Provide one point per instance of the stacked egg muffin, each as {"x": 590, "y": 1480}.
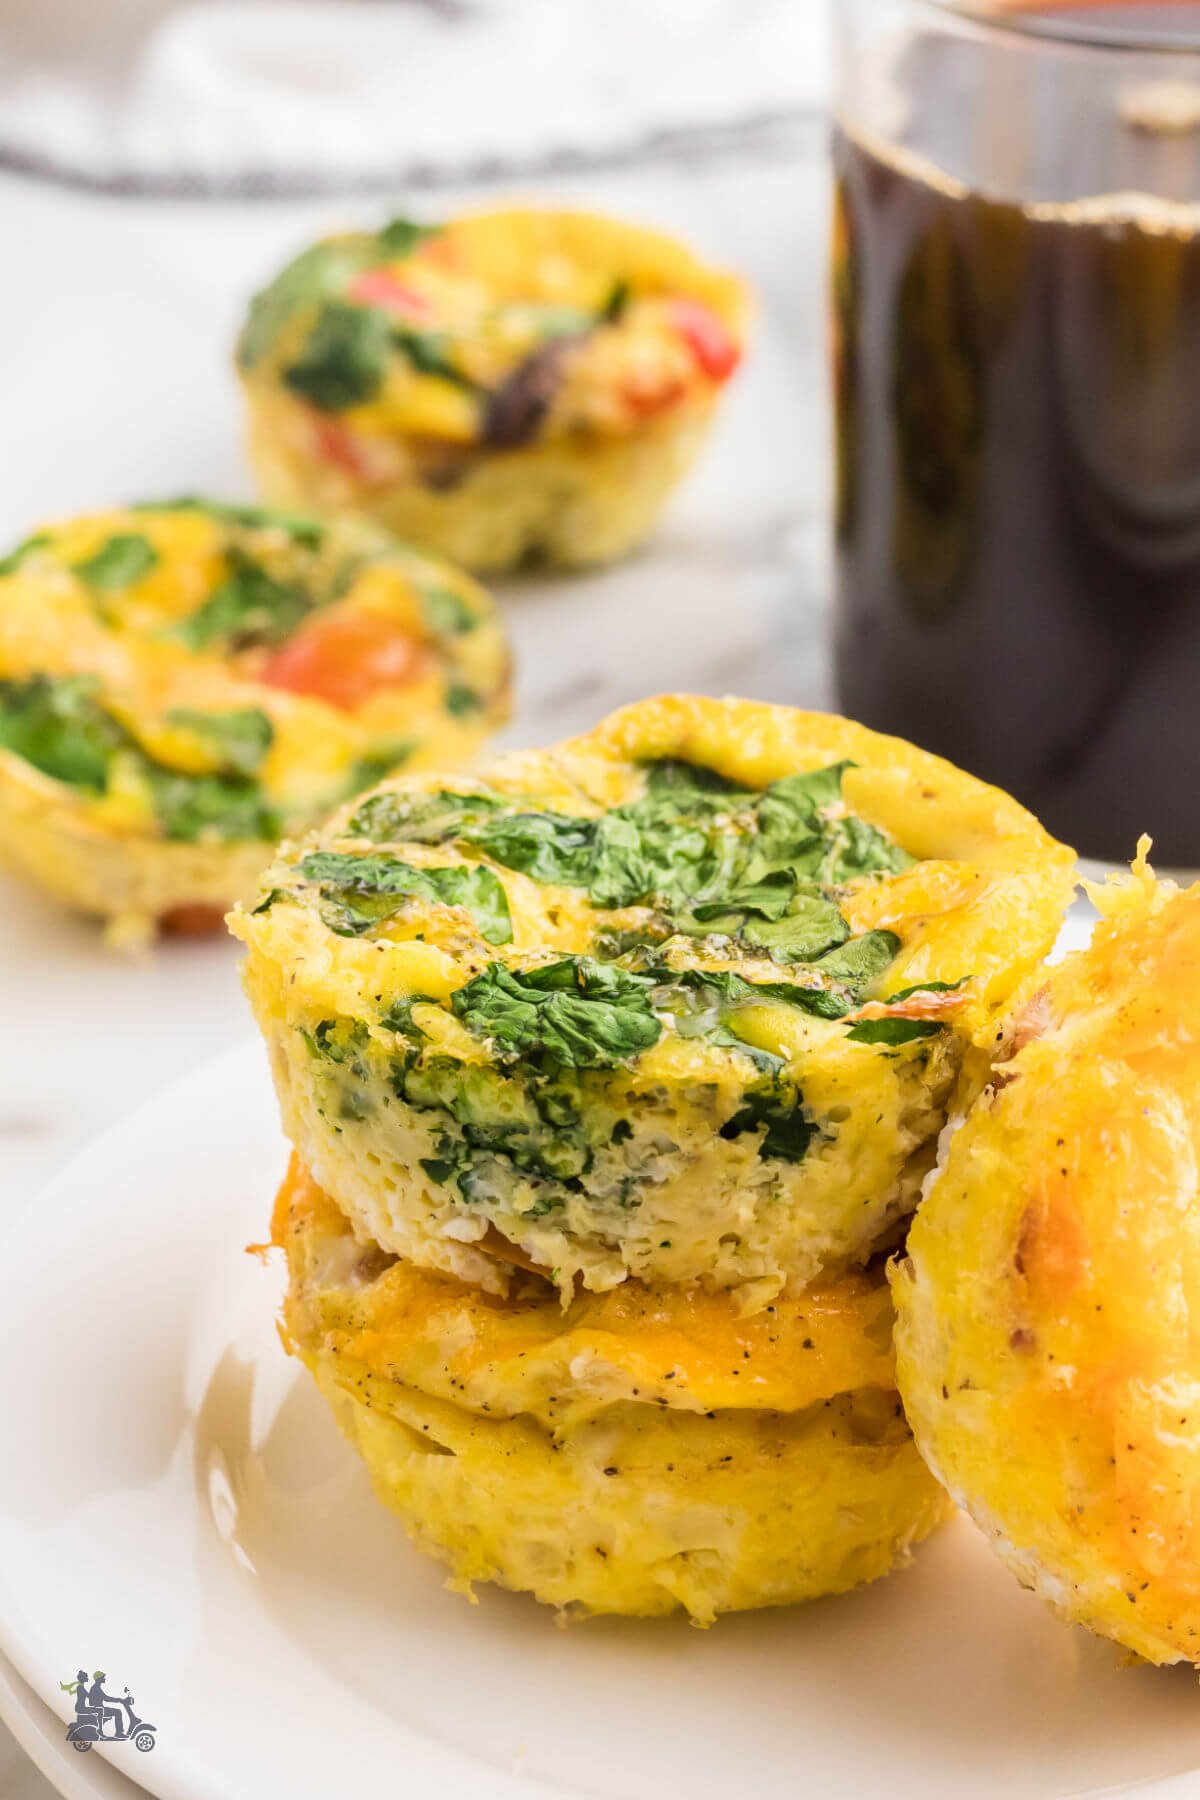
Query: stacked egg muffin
{"x": 611, "y": 1074}
{"x": 181, "y": 684}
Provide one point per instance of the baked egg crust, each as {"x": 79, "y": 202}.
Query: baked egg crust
{"x": 682, "y": 1000}
{"x": 183, "y": 683}
{"x": 500, "y": 386}
{"x": 1048, "y": 1338}
{"x": 641, "y": 1453}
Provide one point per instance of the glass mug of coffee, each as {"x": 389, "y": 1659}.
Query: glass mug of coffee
{"x": 1016, "y": 313}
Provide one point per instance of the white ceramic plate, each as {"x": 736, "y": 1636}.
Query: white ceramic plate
{"x": 177, "y": 1508}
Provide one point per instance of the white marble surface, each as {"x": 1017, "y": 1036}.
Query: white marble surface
{"x": 116, "y": 319}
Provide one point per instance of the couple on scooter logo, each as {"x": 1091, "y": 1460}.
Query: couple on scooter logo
{"x": 102, "y": 1718}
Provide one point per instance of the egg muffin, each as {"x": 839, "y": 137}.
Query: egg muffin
{"x": 181, "y": 684}
{"x": 643, "y": 1452}
{"x": 682, "y": 1001}
{"x": 1048, "y": 1345}
{"x": 505, "y": 386}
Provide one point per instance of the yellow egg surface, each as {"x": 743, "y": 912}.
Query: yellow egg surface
{"x": 1048, "y": 1330}
{"x": 683, "y": 1000}
{"x": 644, "y": 1452}
{"x": 181, "y": 684}
{"x": 499, "y": 384}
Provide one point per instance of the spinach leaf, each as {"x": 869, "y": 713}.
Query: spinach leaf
{"x": 555, "y": 848}
{"x": 422, "y": 818}
{"x": 787, "y": 1132}
{"x": 56, "y": 724}
{"x": 400, "y": 237}
{"x": 249, "y": 608}
{"x": 317, "y": 274}
{"x": 213, "y": 808}
{"x": 123, "y": 560}
{"x": 856, "y": 848}
{"x": 343, "y": 359}
{"x": 722, "y": 989}
{"x": 447, "y": 612}
{"x": 612, "y": 311}
{"x": 893, "y": 1032}
{"x": 12, "y": 562}
{"x": 360, "y": 891}
{"x": 427, "y": 352}
{"x": 809, "y": 928}
{"x": 240, "y": 738}
{"x": 862, "y": 960}
{"x": 376, "y": 765}
{"x": 298, "y": 526}
{"x": 580, "y": 1013}
{"x": 462, "y": 701}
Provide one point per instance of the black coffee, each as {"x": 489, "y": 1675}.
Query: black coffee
{"x": 1018, "y": 404}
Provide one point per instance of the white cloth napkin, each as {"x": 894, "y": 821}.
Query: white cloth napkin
{"x": 301, "y": 92}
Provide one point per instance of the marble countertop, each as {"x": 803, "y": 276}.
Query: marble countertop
{"x": 117, "y": 317}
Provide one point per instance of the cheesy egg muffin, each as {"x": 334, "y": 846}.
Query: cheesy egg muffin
{"x": 503, "y": 386}
{"x": 181, "y": 684}
{"x": 642, "y": 1452}
{"x": 682, "y": 1001}
{"x": 1048, "y": 1336}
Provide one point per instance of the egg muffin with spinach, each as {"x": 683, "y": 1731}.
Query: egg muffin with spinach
{"x": 503, "y": 386}
{"x": 182, "y": 684}
{"x": 645, "y": 1451}
{"x": 680, "y": 1001}
{"x": 1048, "y": 1346}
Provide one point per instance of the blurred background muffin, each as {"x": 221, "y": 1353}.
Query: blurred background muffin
{"x": 181, "y": 684}
{"x": 504, "y": 387}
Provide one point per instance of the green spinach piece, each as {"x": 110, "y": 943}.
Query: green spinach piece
{"x": 787, "y": 1132}
{"x": 240, "y": 738}
{"x": 216, "y": 808}
{"x": 298, "y": 526}
{"x": 57, "y": 725}
{"x": 893, "y": 1032}
{"x": 554, "y": 848}
{"x": 316, "y": 275}
{"x": 400, "y": 237}
{"x": 40, "y": 540}
{"x": 421, "y": 818}
{"x": 861, "y": 961}
{"x": 447, "y": 612}
{"x": 124, "y": 559}
{"x": 577, "y": 1012}
{"x": 462, "y": 701}
{"x": 249, "y": 608}
{"x": 428, "y": 353}
{"x": 360, "y": 891}
{"x": 343, "y": 360}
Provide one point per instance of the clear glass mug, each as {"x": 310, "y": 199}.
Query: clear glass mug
{"x": 1016, "y": 306}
